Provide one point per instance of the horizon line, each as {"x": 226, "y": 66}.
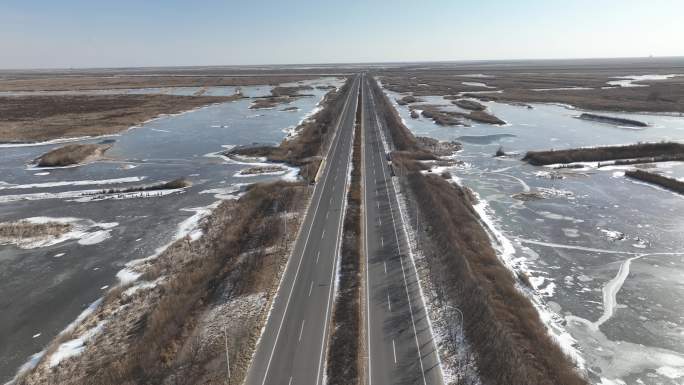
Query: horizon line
{"x": 333, "y": 64}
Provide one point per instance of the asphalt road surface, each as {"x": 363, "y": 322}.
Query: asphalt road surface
{"x": 293, "y": 344}
{"x": 399, "y": 336}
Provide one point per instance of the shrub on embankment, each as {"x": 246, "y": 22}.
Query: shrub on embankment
{"x": 511, "y": 343}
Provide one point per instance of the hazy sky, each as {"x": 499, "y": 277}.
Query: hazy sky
{"x": 94, "y": 33}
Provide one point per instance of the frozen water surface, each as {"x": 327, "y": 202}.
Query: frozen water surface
{"x": 44, "y": 288}
{"x": 606, "y": 254}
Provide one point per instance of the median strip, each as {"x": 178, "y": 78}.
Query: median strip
{"x": 343, "y": 366}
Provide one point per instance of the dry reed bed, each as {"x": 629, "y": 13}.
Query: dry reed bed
{"x": 72, "y": 154}
{"x": 663, "y": 151}
{"x": 149, "y": 334}
{"x": 25, "y": 229}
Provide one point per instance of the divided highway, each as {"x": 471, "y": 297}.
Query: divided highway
{"x": 292, "y": 348}
{"x": 293, "y": 345}
{"x": 399, "y": 336}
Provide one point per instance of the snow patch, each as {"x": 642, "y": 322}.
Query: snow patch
{"x": 75, "y": 346}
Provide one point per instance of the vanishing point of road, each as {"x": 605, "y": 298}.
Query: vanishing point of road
{"x": 293, "y": 347}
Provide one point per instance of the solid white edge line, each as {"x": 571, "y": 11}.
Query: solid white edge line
{"x": 394, "y": 351}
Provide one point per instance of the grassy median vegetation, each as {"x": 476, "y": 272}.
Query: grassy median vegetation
{"x": 646, "y": 152}
{"x": 344, "y": 366}
{"x": 511, "y": 343}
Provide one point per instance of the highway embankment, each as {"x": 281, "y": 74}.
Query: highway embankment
{"x": 508, "y": 340}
